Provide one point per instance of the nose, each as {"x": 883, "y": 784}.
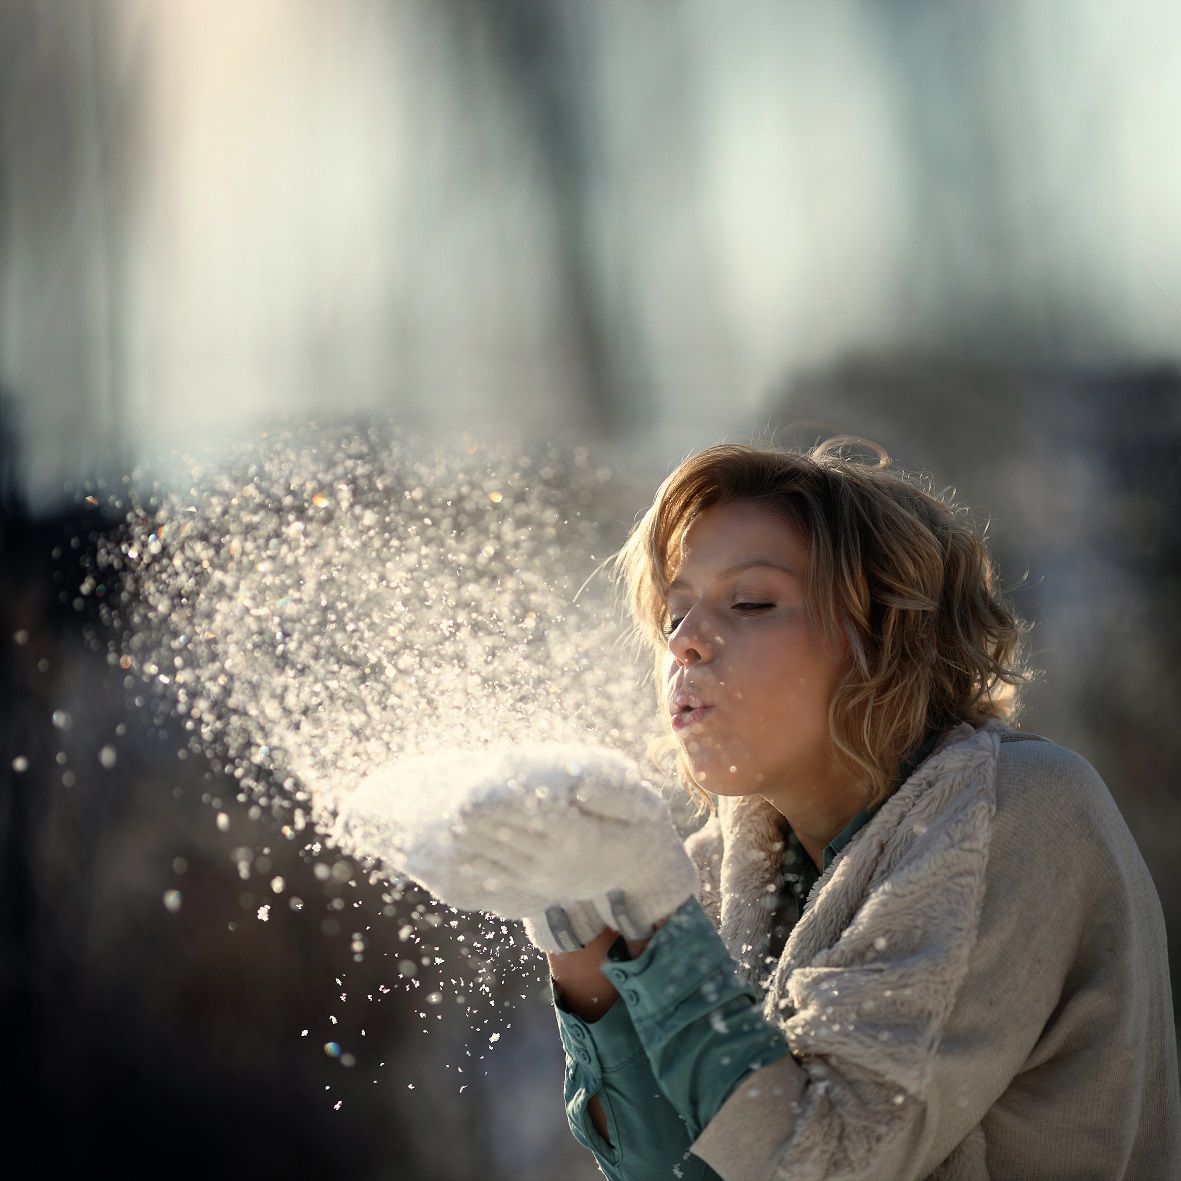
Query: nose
{"x": 689, "y": 643}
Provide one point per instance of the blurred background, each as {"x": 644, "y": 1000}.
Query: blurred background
{"x": 630, "y": 228}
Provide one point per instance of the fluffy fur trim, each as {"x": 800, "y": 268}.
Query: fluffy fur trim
{"x": 705, "y": 851}
{"x": 872, "y": 970}
{"x": 752, "y": 858}
{"x": 870, "y": 974}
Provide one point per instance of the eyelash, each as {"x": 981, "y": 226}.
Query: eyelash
{"x": 757, "y": 608}
{"x": 753, "y": 606}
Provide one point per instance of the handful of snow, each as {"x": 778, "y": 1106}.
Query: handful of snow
{"x": 478, "y": 828}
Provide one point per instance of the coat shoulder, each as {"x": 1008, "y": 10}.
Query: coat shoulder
{"x": 1055, "y": 804}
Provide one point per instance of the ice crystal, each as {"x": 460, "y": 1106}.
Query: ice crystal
{"x": 312, "y": 610}
{"x": 307, "y": 609}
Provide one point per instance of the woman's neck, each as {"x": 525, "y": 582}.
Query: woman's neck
{"x": 819, "y": 810}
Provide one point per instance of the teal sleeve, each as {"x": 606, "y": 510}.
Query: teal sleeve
{"x": 701, "y": 1026}
{"x": 648, "y": 1138}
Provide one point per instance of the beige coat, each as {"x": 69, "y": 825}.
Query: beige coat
{"x": 979, "y": 987}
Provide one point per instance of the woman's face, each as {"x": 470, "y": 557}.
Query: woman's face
{"x": 747, "y": 679}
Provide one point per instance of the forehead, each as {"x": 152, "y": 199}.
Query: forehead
{"x": 726, "y": 538}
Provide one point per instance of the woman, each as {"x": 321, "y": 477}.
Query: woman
{"x": 912, "y": 941}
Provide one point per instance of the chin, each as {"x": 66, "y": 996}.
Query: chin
{"x": 719, "y": 780}
{"x": 730, "y": 790}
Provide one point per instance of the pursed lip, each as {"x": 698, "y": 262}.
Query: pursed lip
{"x": 687, "y": 708}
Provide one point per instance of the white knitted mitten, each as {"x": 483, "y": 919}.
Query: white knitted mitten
{"x": 592, "y": 828}
{"x": 570, "y": 838}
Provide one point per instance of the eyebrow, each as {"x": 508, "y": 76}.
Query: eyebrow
{"x": 740, "y": 568}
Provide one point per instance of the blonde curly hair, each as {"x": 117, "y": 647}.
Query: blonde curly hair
{"x": 899, "y": 577}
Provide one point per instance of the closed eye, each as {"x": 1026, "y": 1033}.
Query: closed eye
{"x": 672, "y": 624}
{"x": 752, "y": 608}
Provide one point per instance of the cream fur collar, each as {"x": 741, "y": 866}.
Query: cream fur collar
{"x": 892, "y": 919}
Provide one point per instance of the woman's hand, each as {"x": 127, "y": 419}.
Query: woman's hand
{"x": 570, "y": 838}
{"x": 593, "y": 829}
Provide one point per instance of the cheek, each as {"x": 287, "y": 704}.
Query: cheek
{"x": 666, "y": 671}
{"x": 831, "y": 670}
{"x": 667, "y": 666}
{"x": 797, "y": 676}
